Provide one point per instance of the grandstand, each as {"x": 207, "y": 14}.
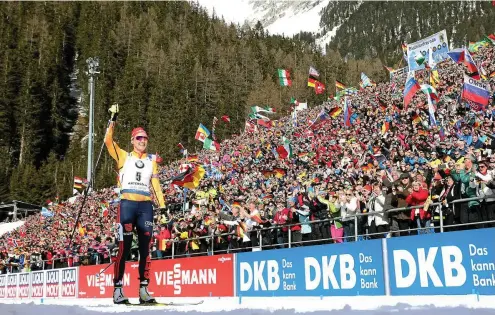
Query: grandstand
{"x": 359, "y": 167}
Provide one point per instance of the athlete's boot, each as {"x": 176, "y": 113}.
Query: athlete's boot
{"x": 144, "y": 295}
{"x": 118, "y": 294}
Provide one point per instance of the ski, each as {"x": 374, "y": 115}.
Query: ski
{"x": 166, "y": 304}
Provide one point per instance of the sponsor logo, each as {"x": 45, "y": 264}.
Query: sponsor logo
{"x": 52, "y": 277}
{"x": 139, "y": 164}
{"x": 179, "y": 277}
{"x": 23, "y": 279}
{"x": 11, "y": 286}
{"x": 224, "y": 259}
{"x": 37, "y": 278}
{"x": 68, "y": 275}
{"x": 3, "y": 289}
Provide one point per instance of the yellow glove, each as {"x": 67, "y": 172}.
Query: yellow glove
{"x": 114, "y": 110}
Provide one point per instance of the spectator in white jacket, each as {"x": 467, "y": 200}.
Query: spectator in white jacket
{"x": 348, "y": 209}
{"x": 378, "y": 204}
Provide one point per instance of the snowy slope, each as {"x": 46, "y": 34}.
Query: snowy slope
{"x": 277, "y": 16}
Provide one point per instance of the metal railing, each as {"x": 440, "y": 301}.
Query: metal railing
{"x": 210, "y": 239}
{"x": 353, "y": 217}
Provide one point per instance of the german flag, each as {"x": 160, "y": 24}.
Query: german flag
{"x": 236, "y": 204}
{"x": 416, "y": 119}
{"x": 257, "y": 218}
{"x": 335, "y": 112}
{"x": 259, "y": 154}
{"x": 339, "y": 85}
{"x": 385, "y": 127}
{"x": 267, "y": 197}
{"x": 302, "y": 154}
{"x": 382, "y": 105}
{"x": 422, "y": 133}
{"x": 279, "y": 172}
{"x": 241, "y": 232}
{"x": 192, "y": 158}
{"x": 190, "y": 178}
{"x": 267, "y": 173}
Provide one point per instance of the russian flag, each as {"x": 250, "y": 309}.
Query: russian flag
{"x": 460, "y": 55}
{"x": 412, "y": 86}
{"x": 347, "y": 113}
{"x": 475, "y": 91}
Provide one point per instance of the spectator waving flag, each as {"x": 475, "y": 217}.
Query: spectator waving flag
{"x": 202, "y": 133}
{"x": 431, "y": 112}
{"x": 313, "y": 72}
{"x": 365, "y": 81}
{"x": 339, "y": 85}
{"x": 461, "y": 55}
{"x": 475, "y": 91}
{"x": 347, "y": 112}
{"x": 190, "y": 178}
{"x": 412, "y": 86}
{"x": 210, "y": 144}
{"x": 284, "y": 77}
{"x": 313, "y": 81}
{"x": 80, "y": 183}
{"x": 430, "y": 92}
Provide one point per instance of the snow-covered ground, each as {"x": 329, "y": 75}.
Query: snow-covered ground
{"x": 7, "y": 227}
{"x": 438, "y": 305}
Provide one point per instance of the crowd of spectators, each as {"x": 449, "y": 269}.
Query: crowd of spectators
{"x": 348, "y": 178}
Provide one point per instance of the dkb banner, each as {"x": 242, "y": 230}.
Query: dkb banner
{"x": 449, "y": 263}
{"x": 329, "y": 270}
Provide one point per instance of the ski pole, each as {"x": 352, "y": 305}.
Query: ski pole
{"x": 86, "y": 192}
{"x": 99, "y": 273}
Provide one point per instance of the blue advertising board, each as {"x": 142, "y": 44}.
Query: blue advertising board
{"x": 449, "y": 263}
{"x": 346, "y": 269}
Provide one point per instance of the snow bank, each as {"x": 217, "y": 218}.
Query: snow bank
{"x": 439, "y": 305}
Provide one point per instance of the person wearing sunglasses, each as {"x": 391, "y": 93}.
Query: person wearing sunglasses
{"x": 138, "y": 178}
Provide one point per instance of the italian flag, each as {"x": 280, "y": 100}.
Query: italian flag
{"x": 269, "y": 109}
{"x": 294, "y": 101}
{"x": 284, "y": 77}
{"x": 211, "y": 145}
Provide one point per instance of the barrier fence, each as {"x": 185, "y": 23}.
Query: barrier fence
{"x": 459, "y": 262}
{"x": 259, "y": 232}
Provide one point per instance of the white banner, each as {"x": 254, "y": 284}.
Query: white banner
{"x": 437, "y": 43}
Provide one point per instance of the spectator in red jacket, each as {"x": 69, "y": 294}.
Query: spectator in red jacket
{"x": 418, "y": 197}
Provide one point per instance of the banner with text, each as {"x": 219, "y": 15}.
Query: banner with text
{"x": 198, "y": 276}
{"x": 437, "y": 43}
{"x": 449, "y": 263}
{"x": 399, "y": 74}
{"x": 328, "y": 270}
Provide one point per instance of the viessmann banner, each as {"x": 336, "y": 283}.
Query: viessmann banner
{"x": 328, "y": 270}
{"x": 447, "y": 263}
{"x": 199, "y": 276}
